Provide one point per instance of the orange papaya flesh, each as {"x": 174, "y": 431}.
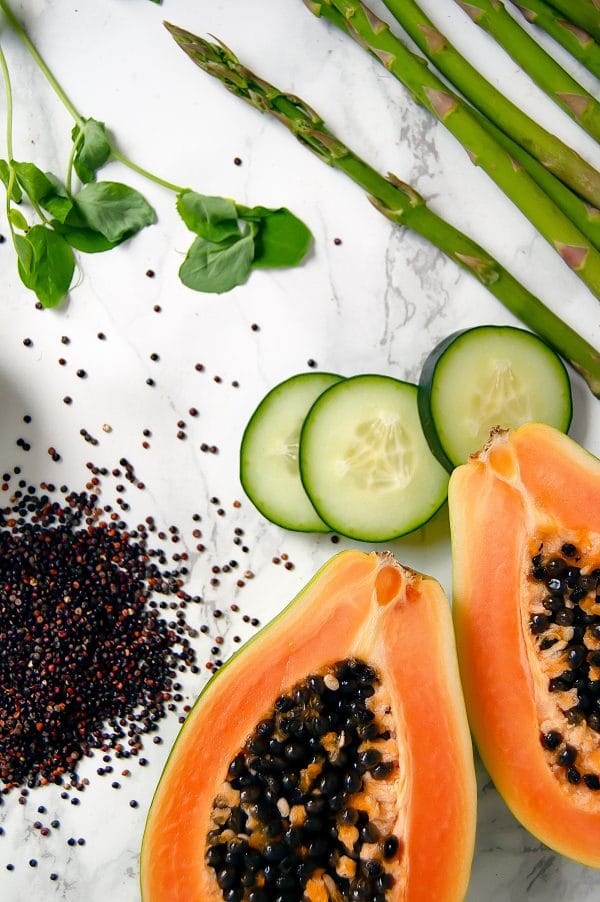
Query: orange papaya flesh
{"x": 404, "y": 829}
{"x": 525, "y": 526}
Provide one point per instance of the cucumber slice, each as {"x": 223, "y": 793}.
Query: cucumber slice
{"x": 269, "y": 470}
{"x": 489, "y": 376}
{"x": 364, "y": 460}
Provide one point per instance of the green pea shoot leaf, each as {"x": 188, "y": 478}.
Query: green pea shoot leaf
{"x": 213, "y": 218}
{"x": 113, "y": 209}
{"x": 17, "y": 219}
{"x": 218, "y": 267}
{"x": 33, "y": 181}
{"x": 50, "y": 268}
{"x": 57, "y": 201}
{"x": 92, "y": 149}
{"x": 281, "y": 240}
{"x": 17, "y": 194}
{"x": 24, "y": 251}
{"x": 83, "y": 239}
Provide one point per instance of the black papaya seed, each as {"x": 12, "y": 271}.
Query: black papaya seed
{"x": 565, "y": 617}
{"x": 592, "y": 781}
{"x": 567, "y": 756}
{"x": 576, "y": 655}
{"x": 310, "y": 751}
{"x": 539, "y": 623}
{"x": 556, "y": 565}
{"x": 551, "y": 740}
{"x": 390, "y": 847}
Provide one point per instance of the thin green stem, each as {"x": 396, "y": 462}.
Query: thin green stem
{"x": 73, "y": 109}
{"x": 39, "y": 210}
{"x": 54, "y": 84}
{"x": 9, "y": 147}
{"x": 9, "y": 105}
{"x": 69, "y": 177}
{"x": 145, "y": 172}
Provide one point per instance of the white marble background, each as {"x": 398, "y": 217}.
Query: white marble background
{"x": 376, "y": 303}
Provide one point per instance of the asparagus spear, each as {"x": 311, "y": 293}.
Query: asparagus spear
{"x": 586, "y": 218}
{"x": 394, "y": 198}
{"x": 458, "y": 70}
{"x": 545, "y": 147}
{"x": 578, "y": 42}
{"x": 491, "y": 15}
{"x": 585, "y": 13}
{"x": 361, "y": 23}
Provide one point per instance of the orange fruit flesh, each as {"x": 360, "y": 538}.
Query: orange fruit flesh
{"x": 363, "y": 606}
{"x": 526, "y": 494}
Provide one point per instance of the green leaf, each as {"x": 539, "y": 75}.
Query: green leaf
{"x": 17, "y": 194}
{"x": 213, "y": 218}
{"x": 254, "y": 214}
{"x": 93, "y": 149}
{"x": 115, "y": 210}
{"x": 217, "y": 267}
{"x": 52, "y": 267}
{"x": 33, "y": 181}
{"x": 282, "y": 240}
{"x": 57, "y": 202}
{"x": 24, "y": 251}
{"x": 84, "y": 239}
{"x": 18, "y": 220}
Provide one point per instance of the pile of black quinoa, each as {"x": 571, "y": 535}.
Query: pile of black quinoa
{"x": 87, "y": 659}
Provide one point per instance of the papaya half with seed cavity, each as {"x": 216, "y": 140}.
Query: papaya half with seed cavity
{"x": 525, "y": 525}
{"x": 329, "y": 759}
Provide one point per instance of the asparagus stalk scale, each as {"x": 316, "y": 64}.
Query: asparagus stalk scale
{"x": 491, "y": 15}
{"x": 541, "y": 144}
{"x": 578, "y": 42}
{"x": 395, "y": 199}
{"x": 353, "y": 17}
{"x": 585, "y": 13}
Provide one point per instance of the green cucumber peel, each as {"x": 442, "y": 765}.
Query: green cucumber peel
{"x": 521, "y": 379}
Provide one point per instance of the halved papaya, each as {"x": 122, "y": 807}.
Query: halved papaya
{"x": 525, "y": 522}
{"x": 329, "y": 759}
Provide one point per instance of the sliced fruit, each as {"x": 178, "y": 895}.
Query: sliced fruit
{"x": 330, "y": 759}
{"x": 489, "y": 376}
{"x": 525, "y": 521}
{"x": 269, "y": 469}
{"x": 364, "y": 460}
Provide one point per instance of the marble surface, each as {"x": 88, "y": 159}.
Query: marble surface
{"x": 377, "y": 302}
